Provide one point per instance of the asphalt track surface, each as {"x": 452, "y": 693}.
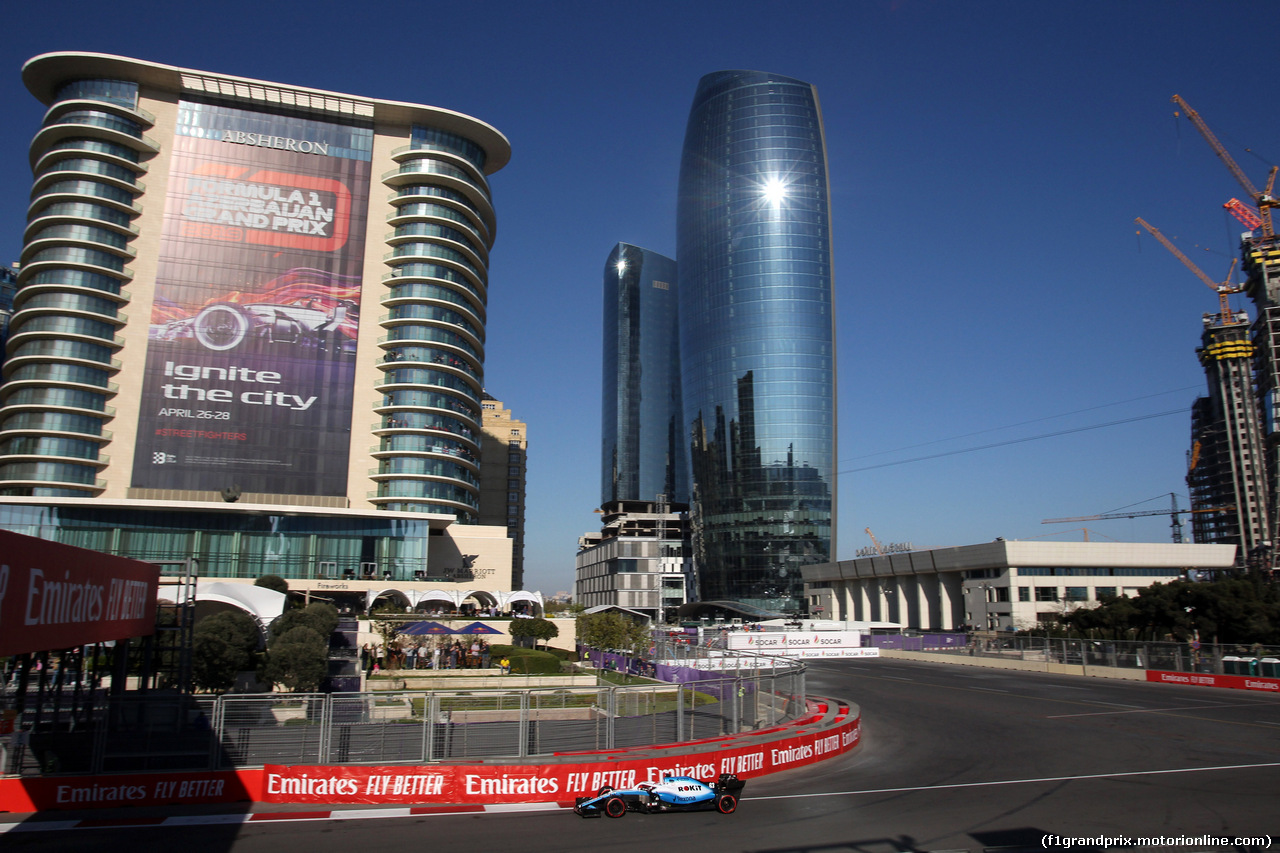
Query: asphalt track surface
{"x": 953, "y": 758}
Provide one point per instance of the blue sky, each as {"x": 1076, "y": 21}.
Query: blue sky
{"x": 987, "y": 160}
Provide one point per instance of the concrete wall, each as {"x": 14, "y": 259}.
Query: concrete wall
{"x": 1022, "y": 665}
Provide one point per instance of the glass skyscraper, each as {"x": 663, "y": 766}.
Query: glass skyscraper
{"x": 643, "y": 426}
{"x": 757, "y": 336}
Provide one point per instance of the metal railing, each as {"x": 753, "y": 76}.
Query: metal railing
{"x": 1215, "y": 658}
{"x": 703, "y": 693}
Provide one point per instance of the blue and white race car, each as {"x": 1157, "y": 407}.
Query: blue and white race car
{"x": 672, "y": 794}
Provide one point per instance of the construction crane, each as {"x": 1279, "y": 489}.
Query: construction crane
{"x": 1263, "y": 200}
{"x": 1173, "y": 512}
{"x": 1224, "y": 290}
{"x": 1247, "y": 214}
{"x": 875, "y": 542}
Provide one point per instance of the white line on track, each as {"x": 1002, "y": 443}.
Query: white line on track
{"x": 368, "y": 814}
{"x": 1031, "y": 781}
{"x": 1150, "y": 710}
{"x": 188, "y": 820}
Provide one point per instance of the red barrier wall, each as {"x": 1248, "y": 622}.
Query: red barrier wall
{"x": 435, "y": 784}
{"x": 1236, "y": 682}
{"x": 133, "y": 789}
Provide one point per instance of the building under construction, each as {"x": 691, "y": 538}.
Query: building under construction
{"x": 1235, "y": 456}
{"x": 1225, "y": 470}
{"x": 1261, "y": 252}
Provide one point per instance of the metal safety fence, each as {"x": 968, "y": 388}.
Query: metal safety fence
{"x": 701, "y": 694}
{"x": 1193, "y": 656}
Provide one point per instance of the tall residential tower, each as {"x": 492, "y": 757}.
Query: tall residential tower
{"x": 249, "y": 327}
{"x": 757, "y": 342}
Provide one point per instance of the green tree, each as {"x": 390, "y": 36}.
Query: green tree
{"x": 222, "y": 646}
{"x": 1240, "y": 610}
{"x": 613, "y": 630}
{"x": 297, "y": 659}
{"x": 536, "y": 629}
{"x": 564, "y": 608}
{"x": 319, "y": 616}
{"x": 274, "y": 582}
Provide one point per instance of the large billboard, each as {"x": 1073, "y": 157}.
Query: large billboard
{"x": 55, "y": 596}
{"x": 251, "y": 356}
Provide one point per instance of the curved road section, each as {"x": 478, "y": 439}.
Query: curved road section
{"x": 951, "y": 759}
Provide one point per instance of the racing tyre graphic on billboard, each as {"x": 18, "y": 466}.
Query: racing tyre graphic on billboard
{"x": 221, "y": 327}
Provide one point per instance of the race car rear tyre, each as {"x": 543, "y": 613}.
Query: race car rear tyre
{"x": 726, "y": 803}
{"x": 615, "y": 807}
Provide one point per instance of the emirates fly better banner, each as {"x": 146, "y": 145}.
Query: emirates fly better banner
{"x": 251, "y": 357}
{"x": 54, "y": 596}
{"x": 431, "y": 785}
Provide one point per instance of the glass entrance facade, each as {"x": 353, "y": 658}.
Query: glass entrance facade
{"x": 757, "y": 336}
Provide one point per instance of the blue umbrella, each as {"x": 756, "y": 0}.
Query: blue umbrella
{"x": 477, "y": 628}
{"x": 418, "y": 629}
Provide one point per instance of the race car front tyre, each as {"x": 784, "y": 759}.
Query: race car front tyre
{"x": 615, "y": 807}
{"x": 726, "y": 803}
{"x": 606, "y": 789}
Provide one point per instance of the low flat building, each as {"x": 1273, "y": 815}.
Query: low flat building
{"x": 1000, "y": 585}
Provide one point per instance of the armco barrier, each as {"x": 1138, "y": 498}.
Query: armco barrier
{"x": 1236, "y": 682}
{"x": 830, "y": 729}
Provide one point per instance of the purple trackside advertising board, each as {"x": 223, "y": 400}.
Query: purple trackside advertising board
{"x": 251, "y": 357}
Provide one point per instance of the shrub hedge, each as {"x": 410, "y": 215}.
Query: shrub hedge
{"x": 526, "y": 661}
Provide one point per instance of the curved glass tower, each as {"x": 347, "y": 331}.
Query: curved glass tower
{"x": 757, "y": 336}
{"x": 643, "y": 432}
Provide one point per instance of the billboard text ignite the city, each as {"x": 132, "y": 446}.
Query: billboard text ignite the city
{"x": 251, "y": 357}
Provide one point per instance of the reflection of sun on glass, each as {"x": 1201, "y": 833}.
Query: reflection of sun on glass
{"x": 621, "y": 267}
{"x": 774, "y": 191}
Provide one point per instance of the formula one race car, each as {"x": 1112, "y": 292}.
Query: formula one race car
{"x": 223, "y": 326}
{"x": 672, "y": 794}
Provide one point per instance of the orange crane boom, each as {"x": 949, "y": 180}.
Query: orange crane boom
{"x": 1263, "y": 200}
{"x": 1247, "y": 215}
{"x": 1223, "y": 289}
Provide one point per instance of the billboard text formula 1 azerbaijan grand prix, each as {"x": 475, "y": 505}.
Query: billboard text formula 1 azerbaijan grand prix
{"x": 251, "y": 355}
